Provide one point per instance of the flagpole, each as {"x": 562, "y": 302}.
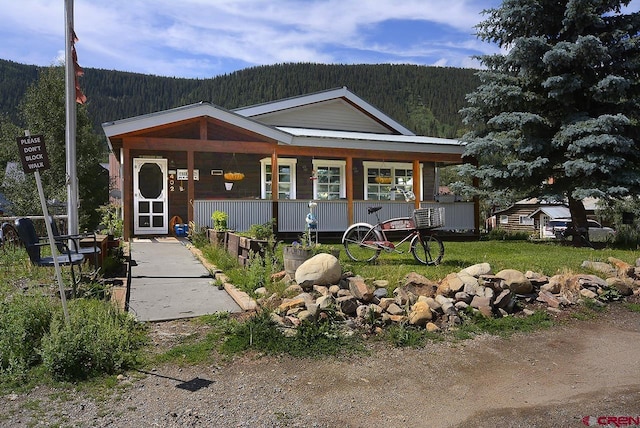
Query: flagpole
{"x": 70, "y": 109}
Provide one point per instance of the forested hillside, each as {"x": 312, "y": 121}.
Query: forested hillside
{"x": 425, "y": 99}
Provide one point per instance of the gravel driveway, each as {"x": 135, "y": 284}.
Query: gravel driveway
{"x": 570, "y": 375}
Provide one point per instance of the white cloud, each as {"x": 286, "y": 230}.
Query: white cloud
{"x": 201, "y": 38}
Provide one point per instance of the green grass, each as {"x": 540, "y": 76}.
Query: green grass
{"x": 545, "y": 258}
{"x": 475, "y": 323}
{"x": 548, "y": 258}
{"x": 227, "y": 337}
{"x": 633, "y": 307}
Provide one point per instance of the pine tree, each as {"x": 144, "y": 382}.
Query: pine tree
{"x": 43, "y": 110}
{"x": 557, "y": 114}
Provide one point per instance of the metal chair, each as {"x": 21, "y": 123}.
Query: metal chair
{"x": 91, "y": 250}
{"x": 33, "y": 244}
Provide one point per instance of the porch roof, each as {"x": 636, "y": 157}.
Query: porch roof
{"x": 552, "y": 212}
{"x": 192, "y": 111}
{"x": 364, "y": 140}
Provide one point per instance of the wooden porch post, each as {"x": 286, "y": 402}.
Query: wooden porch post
{"x": 349, "y": 186}
{"x": 127, "y": 192}
{"x": 191, "y": 192}
{"x": 274, "y": 188}
{"x": 417, "y": 182}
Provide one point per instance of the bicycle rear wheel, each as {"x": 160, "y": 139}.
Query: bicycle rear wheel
{"x": 427, "y": 249}
{"x": 9, "y": 237}
{"x": 359, "y": 243}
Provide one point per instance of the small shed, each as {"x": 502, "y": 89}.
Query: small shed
{"x": 544, "y": 214}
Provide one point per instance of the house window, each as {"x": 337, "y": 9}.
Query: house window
{"x": 398, "y": 175}
{"x": 286, "y": 178}
{"x": 526, "y": 220}
{"x": 504, "y": 219}
{"x": 329, "y": 182}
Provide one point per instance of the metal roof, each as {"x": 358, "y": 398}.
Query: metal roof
{"x": 364, "y": 140}
{"x": 192, "y": 111}
{"x": 557, "y": 211}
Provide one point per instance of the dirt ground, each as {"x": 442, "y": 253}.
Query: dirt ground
{"x": 574, "y": 374}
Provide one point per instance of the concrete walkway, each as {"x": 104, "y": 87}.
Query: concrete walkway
{"x": 168, "y": 282}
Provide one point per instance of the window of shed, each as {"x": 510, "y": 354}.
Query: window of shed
{"x": 504, "y": 219}
{"x": 526, "y": 220}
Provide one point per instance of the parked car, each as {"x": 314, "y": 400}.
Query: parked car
{"x": 557, "y": 228}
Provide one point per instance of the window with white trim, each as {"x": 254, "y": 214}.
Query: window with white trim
{"x": 286, "y": 178}
{"x": 504, "y": 219}
{"x": 525, "y": 220}
{"x": 380, "y": 177}
{"x": 329, "y": 179}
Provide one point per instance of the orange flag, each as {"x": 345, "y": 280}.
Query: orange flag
{"x": 78, "y": 71}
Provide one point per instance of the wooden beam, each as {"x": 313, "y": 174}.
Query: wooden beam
{"x": 417, "y": 182}
{"x": 203, "y": 128}
{"x": 127, "y": 193}
{"x": 349, "y": 184}
{"x": 191, "y": 192}
{"x": 274, "y": 187}
{"x": 231, "y": 146}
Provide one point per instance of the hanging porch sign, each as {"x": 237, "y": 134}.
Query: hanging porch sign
{"x": 33, "y": 153}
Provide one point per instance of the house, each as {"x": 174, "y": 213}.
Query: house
{"x": 268, "y": 161}
{"x": 532, "y": 215}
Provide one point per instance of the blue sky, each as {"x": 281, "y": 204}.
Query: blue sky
{"x": 206, "y": 38}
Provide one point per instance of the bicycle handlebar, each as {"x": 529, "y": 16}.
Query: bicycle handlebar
{"x": 408, "y": 194}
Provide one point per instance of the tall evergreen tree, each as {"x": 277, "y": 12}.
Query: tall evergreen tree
{"x": 43, "y": 110}
{"x": 557, "y": 113}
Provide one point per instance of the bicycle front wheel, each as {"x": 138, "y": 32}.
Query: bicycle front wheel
{"x": 427, "y": 249}
{"x": 359, "y": 243}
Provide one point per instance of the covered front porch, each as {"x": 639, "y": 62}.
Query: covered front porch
{"x": 332, "y": 216}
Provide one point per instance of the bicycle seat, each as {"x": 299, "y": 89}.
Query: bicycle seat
{"x": 372, "y": 210}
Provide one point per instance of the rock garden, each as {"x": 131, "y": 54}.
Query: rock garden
{"x": 321, "y": 290}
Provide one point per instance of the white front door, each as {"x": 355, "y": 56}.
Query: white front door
{"x": 150, "y": 197}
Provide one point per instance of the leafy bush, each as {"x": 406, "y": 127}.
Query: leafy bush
{"x": 262, "y": 231}
{"x": 24, "y": 320}
{"x": 220, "y": 219}
{"x": 499, "y": 234}
{"x": 260, "y": 333}
{"x": 99, "y": 339}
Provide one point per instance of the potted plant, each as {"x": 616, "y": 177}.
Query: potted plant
{"x": 294, "y": 255}
{"x": 111, "y": 220}
{"x": 298, "y": 252}
{"x": 219, "y": 231}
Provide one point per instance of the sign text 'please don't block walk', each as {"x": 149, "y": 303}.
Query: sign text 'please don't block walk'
{"x": 33, "y": 153}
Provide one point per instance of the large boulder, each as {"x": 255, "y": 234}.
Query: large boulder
{"x": 321, "y": 269}
{"x": 478, "y": 269}
{"x": 419, "y": 285}
{"x": 420, "y": 314}
{"x": 516, "y": 281}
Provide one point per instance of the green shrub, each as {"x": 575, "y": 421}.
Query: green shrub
{"x": 24, "y": 320}
{"x": 220, "y": 219}
{"x": 499, "y": 234}
{"x": 260, "y": 333}
{"x": 99, "y": 339}
{"x": 262, "y": 231}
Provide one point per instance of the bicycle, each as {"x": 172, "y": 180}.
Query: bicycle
{"x": 365, "y": 242}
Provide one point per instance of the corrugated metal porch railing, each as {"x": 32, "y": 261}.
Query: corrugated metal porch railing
{"x": 331, "y": 215}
